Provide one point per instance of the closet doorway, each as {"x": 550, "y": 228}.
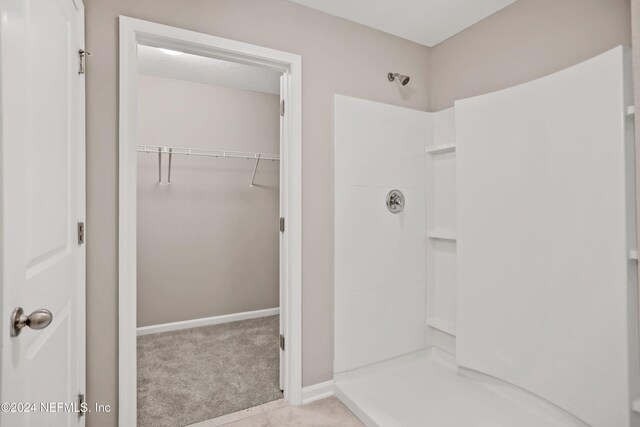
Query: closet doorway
{"x": 209, "y": 226}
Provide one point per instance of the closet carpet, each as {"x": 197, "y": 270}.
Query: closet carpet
{"x": 197, "y": 374}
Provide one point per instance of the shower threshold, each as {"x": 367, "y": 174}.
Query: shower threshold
{"x": 427, "y": 388}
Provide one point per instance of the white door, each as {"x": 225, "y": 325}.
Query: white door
{"x": 41, "y": 203}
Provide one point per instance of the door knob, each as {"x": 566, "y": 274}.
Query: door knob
{"x": 39, "y": 319}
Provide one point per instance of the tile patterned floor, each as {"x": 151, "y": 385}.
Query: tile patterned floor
{"x": 329, "y": 412}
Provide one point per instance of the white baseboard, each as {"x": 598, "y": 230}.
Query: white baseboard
{"x": 206, "y": 321}
{"x": 317, "y": 392}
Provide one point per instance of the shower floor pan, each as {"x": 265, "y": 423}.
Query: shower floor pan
{"x": 426, "y": 389}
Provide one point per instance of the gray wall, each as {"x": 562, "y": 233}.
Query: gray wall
{"x": 524, "y": 41}
{"x": 338, "y": 57}
{"x": 207, "y": 243}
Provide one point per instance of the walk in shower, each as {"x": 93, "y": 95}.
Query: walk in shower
{"x": 504, "y": 292}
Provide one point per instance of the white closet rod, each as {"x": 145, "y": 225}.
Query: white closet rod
{"x": 155, "y": 149}
{"x": 160, "y": 150}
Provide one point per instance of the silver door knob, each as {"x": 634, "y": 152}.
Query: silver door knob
{"x": 39, "y": 319}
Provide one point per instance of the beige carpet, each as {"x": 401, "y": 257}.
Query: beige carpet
{"x": 197, "y": 374}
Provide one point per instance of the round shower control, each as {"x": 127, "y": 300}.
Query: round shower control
{"x": 395, "y": 201}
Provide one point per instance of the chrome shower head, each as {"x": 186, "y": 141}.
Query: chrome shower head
{"x": 401, "y": 77}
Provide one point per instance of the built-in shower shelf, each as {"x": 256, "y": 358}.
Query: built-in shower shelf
{"x": 633, "y": 255}
{"x": 442, "y": 325}
{"x": 631, "y": 110}
{"x": 441, "y": 149}
{"x": 441, "y": 234}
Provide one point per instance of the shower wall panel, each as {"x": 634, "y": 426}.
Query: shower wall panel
{"x": 546, "y": 296}
{"x": 379, "y": 255}
{"x": 440, "y": 191}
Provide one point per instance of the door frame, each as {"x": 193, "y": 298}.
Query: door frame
{"x": 133, "y": 32}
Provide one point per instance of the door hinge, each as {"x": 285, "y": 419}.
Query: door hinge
{"x": 281, "y": 107}
{"x": 80, "y": 232}
{"x": 82, "y": 54}
{"x": 281, "y": 342}
{"x": 81, "y": 405}
{"x": 282, "y": 224}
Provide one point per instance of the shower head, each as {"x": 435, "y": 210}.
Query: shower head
{"x": 402, "y": 78}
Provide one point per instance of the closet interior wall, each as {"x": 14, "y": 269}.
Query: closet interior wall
{"x": 207, "y": 242}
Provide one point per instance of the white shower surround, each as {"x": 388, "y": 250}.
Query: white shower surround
{"x": 546, "y": 224}
{"x": 378, "y": 148}
{"x": 497, "y": 359}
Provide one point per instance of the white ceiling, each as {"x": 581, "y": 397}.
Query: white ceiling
{"x": 201, "y": 69}
{"x": 427, "y": 22}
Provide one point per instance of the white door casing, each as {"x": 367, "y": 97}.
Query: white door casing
{"x": 41, "y": 202}
{"x": 282, "y": 256}
{"x": 133, "y": 32}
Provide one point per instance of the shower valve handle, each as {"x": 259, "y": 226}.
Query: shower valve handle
{"x": 395, "y": 201}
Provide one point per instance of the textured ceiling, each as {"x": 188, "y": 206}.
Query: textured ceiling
{"x": 201, "y": 69}
{"x": 427, "y": 22}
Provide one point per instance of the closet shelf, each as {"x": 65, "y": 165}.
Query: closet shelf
{"x": 440, "y": 234}
{"x": 442, "y": 325}
{"x": 441, "y": 149}
{"x": 160, "y": 150}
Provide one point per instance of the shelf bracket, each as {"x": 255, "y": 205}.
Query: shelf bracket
{"x": 169, "y": 174}
{"x": 255, "y": 168}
